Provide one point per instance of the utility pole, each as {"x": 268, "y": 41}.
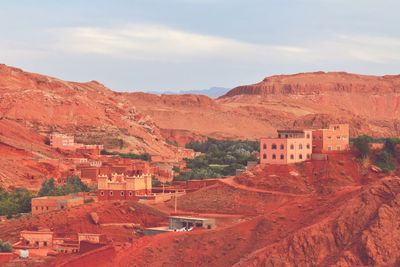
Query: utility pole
{"x": 176, "y": 202}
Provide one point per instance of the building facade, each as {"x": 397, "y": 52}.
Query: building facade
{"x": 123, "y": 187}
{"x": 62, "y": 141}
{"x": 335, "y": 138}
{"x": 54, "y": 203}
{"x": 290, "y": 146}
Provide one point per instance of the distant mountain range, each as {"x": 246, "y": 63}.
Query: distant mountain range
{"x": 212, "y": 92}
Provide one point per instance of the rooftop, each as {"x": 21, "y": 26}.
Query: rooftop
{"x": 190, "y": 218}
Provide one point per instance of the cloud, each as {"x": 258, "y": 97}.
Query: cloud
{"x": 154, "y": 42}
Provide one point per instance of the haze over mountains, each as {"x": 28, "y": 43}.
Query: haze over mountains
{"x": 212, "y": 92}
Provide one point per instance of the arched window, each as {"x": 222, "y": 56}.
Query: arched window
{"x": 264, "y": 156}
{"x": 291, "y": 146}
{"x": 308, "y": 135}
{"x": 111, "y": 193}
{"x": 264, "y": 146}
{"x": 308, "y": 146}
{"x": 308, "y": 156}
{"x": 130, "y": 193}
{"x": 102, "y": 193}
{"x": 301, "y": 156}
{"x": 282, "y": 146}
{"x": 292, "y": 156}
{"x": 273, "y": 146}
{"x": 300, "y": 146}
{"x": 273, "y": 156}
{"x": 282, "y": 156}
{"x": 122, "y": 193}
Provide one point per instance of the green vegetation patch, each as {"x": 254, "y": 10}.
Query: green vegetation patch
{"x": 384, "y": 159}
{"x": 144, "y": 156}
{"x": 5, "y": 246}
{"x": 219, "y": 158}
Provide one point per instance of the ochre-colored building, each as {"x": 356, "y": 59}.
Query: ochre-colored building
{"x": 37, "y": 239}
{"x": 62, "y": 141}
{"x": 54, "y": 203}
{"x": 290, "y": 146}
{"x": 335, "y": 138}
{"x": 123, "y": 187}
{"x": 59, "y": 242}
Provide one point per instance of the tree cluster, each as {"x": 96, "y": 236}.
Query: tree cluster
{"x": 219, "y": 158}
{"x": 14, "y": 202}
{"x": 72, "y": 185}
{"x": 385, "y": 158}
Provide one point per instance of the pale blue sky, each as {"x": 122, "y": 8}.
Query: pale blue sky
{"x": 195, "y": 44}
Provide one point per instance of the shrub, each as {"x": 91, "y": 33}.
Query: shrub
{"x": 5, "y": 246}
{"x": 384, "y": 161}
{"x": 361, "y": 143}
{"x": 144, "y": 156}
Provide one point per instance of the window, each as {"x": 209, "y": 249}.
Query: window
{"x": 273, "y": 156}
{"x": 308, "y": 136}
{"x": 300, "y": 146}
{"x": 273, "y": 146}
{"x": 122, "y": 193}
{"x": 338, "y": 137}
{"x": 301, "y": 156}
{"x": 130, "y": 193}
{"x": 47, "y": 208}
{"x": 338, "y": 148}
{"x": 282, "y": 147}
{"x": 292, "y": 156}
{"x": 308, "y": 156}
{"x": 286, "y": 136}
{"x": 291, "y": 146}
{"x": 111, "y": 193}
{"x": 264, "y": 146}
{"x": 45, "y": 243}
{"x": 102, "y": 193}
{"x": 329, "y": 137}
{"x": 264, "y": 156}
{"x": 329, "y": 148}
{"x": 282, "y": 156}
{"x": 308, "y": 146}
{"x": 344, "y": 137}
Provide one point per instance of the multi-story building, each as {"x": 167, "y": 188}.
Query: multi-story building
{"x": 123, "y": 187}
{"x": 335, "y": 138}
{"x": 290, "y": 146}
{"x": 62, "y": 141}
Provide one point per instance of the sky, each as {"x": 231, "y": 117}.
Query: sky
{"x": 147, "y": 45}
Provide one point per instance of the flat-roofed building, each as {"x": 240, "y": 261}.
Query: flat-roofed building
{"x": 62, "y": 141}
{"x": 54, "y": 203}
{"x": 37, "y": 239}
{"x": 334, "y": 138}
{"x": 123, "y": 187}
{"x": 179, "y": 222}
{"x": 290, "y": 146}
